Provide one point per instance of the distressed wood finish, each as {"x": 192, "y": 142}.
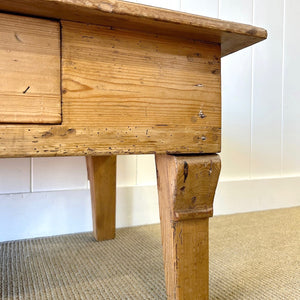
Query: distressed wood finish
{"x": 30, "y": 70}
{"x": 102, "y": 177}
{"x": 232, "y": 36}
{"x": 119, "y": 78}
{"x": 128, "y": 92}
{"x": 186, "y": 186}
{"x": 69, "y": 140}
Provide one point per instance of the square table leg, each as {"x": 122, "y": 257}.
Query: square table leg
{"x": 186, "y": 187}
{"x": 102, "y": 176}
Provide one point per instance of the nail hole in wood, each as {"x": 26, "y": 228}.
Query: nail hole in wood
{"x": 201, "y": 114}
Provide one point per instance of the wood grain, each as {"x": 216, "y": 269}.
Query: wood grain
{"x": 232, "y": 36}
{"x": 102, "y": 177}
{"x": 124, "y": 78}
{"x": 32, "y": 141}
{"x": 30, "y": 70}
{"x": 186, "y": 187}
{"x": 128, "y": 92}
{"x": 195, "y": 186}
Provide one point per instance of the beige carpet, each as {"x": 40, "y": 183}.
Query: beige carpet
{"x": 252, "y": 256}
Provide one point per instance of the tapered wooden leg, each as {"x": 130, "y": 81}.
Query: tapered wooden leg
{"x": 102, "y": 176}
{"x": 186, "y": 188}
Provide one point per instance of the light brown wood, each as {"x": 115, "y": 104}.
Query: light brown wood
{"x": 186, "y": 187}
{"x": 232, "y": 36}
{"x": 70, "y": 140}
{"x": 128, "y": 92}
{"x": 30, "y": 70}
{"x": 119, "y": 78}
{"x": 102, "y": 177}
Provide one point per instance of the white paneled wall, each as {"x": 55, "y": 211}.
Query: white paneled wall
{"x": 267, "y": 91}
{"x": 146, "y": 171}
{"x": 15, "y": 175}
{"x": 201, "y": 7}
{"x": 58, "y": 173}
{"x": 126, "y": 170}
{"x": 170, "y": 4}
{"x": 260, "y": 144}
{"x": 236, "y": 98}
{"x": 291, "y": 90}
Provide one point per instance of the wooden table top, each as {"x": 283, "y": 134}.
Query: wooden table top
{"x": 232, "y": 36}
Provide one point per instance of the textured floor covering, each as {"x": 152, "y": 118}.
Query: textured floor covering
{"x": 252, "y": 256}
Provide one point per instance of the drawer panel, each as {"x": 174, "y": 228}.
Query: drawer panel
{"x": 30, "y": 70}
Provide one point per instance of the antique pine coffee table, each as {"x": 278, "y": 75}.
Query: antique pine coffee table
{"x": 100, "y": 78}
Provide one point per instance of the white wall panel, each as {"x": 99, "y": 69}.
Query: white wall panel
{"x": 170, "y": 4}
{"x": 236, "y": 10}
{"x": 126, "y": 170}
{"x": 201, "y": 7}
{"x": 146, "y": 170}
{"x": 267, "y": 91}
{"x": 42, "y": 214}
{"x": 236, "y": 98}
{"x": 59, "y": 173}
{"x": 137, "y": 205}
{"x": 291, "y": 109}
{"x": 14, "y": 175}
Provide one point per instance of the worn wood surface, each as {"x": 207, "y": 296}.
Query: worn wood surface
{"x": 128, "y": 92}
{"x": 186, "y": 187}
{"x": 30, "y": 70}
{"x": 31, "y": 141}
{"x": 232, "y": 36}
{"x": 102, "y": 177}
{"x": 195, "y": 186}
{"x": 121, "y": 78}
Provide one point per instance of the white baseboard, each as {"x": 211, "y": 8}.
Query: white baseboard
{"x": 39, "y": 214}
{"x": 256, "y": 194}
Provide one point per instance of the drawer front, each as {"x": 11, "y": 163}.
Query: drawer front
{"x": 30, "y": 70}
